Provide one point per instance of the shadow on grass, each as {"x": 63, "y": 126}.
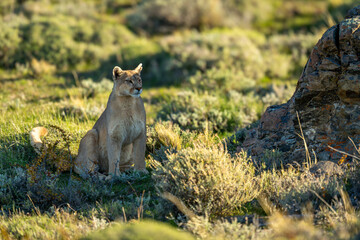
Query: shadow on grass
{"x": 15, "y": 151}
{"x": 160, "y": 69}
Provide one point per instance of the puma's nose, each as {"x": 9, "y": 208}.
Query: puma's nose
{"x": 138, "y": 89}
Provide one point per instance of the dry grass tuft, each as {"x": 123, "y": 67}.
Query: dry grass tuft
{"x": 207, "y": 179}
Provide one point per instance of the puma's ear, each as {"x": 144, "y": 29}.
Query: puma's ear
{"x": 138, "y": 68}
{"x": 116, "y": 72}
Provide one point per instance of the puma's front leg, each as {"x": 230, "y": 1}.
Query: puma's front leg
{"x": 126, "y": 157}
{"x": 139, "y": 152}
{"x": 114, "y": 150}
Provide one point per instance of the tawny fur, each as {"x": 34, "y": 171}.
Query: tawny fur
{"x": 35, "y": 138}
{"x": 117, "y": 140}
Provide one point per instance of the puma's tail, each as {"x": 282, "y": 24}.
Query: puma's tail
{"x": 35, "y": 139}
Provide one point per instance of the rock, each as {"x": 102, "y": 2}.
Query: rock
{"x": 327, "y": 100}
{"x": 326, "y": 167}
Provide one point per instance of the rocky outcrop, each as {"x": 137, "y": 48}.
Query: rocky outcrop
{"x": 327, "y": 100}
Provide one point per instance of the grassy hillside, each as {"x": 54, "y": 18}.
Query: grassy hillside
{"x": 211, "y": 68}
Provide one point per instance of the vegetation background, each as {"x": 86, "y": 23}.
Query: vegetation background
{"x": 211, "y": 67}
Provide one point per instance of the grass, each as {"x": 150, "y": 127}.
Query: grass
{"x": 204, "y": 83}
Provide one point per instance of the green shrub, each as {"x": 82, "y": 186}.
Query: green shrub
{"x": 91, "y": 88}
{"x": 7, "y": 6}
{"x": 13, "y": 188}
{"x": 9, "y": 44}
{"x": 253, "y": 12}
{"x": 296, "y": 46}
{"x": 50, "y": 40}
{"x": 225, "y": 229}
{"x": 163, "y": 134}
{"x": 159, "y": 16}
{"x": 207, "y": 179}
{"x": 221, "y": 79}
{"x": 204, "y": 111}
{"x": 41, "y": 68}
{"x": 224, "y": 50}
{"x": 58, "y": 225}
{"x": 141, "y": 48}
{"x": 108, "y": 34}
{"x": 291, "y": 190}
{"x": 62, "y": 41}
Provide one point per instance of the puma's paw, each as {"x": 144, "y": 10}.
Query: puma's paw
{"x": 108, "y": 178}
{"x": 101, "y": 176}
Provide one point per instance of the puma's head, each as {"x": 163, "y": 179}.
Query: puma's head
{"x": 127, "y": 82}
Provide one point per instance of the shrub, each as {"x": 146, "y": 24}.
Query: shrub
{"x": 141, "y": 48}
{"x": 44, "y": 171}
{"x": 221, "y": 79}
{"x": 252, "y": 12}
{"x": 13, "y": 188}
{"x": 207, "y": 179}
{"x": 204, "y": 111}
{"x": 196, "y": 112}
{"x": 290, "y": 189}
{"x": 6, "y": 6}
{"x": 40, "y": 68}
{"x": 58, "y": 225}
{"x": 297, "y": 46}
{"x": 159, "y": 16}
{"x": 224, "y": 50}
{"x": 9, "y": 44}
{"x": 50, "y": 40}
{"x": 163, "y": 134}
{"x": 225, "y": 229}
{"x": 91, "y": 88}
{"x": 67, "y": 43}
{"x": 108, "y": 34}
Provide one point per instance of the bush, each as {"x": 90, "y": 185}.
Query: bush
{"x": 296, "y": 46}
{"x": 291, "y": 190}
{"x": 6, "y": 6}
{"x": 58, "y": 225}
{"x": 225, "y": 229}
{"x": 253, "y": 12}
{"x": 221, "y": 79}
{"x": 221, "y": 49}
{"x": 207, "y": 179}
{"x": 60, "y": 40}
{"x": 91, "y": 88}
{"x": 9, "y": 44}
{"x": 163, "y": 134}
{"x": 40, "y": 68}
{"x": 159, "y": 16}
{"x": 204, "y": 111}
{"x": 50, "y": 40}
{"x": 13, "y": 188}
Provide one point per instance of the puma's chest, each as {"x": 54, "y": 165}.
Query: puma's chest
{"x": 126, "y": 130}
